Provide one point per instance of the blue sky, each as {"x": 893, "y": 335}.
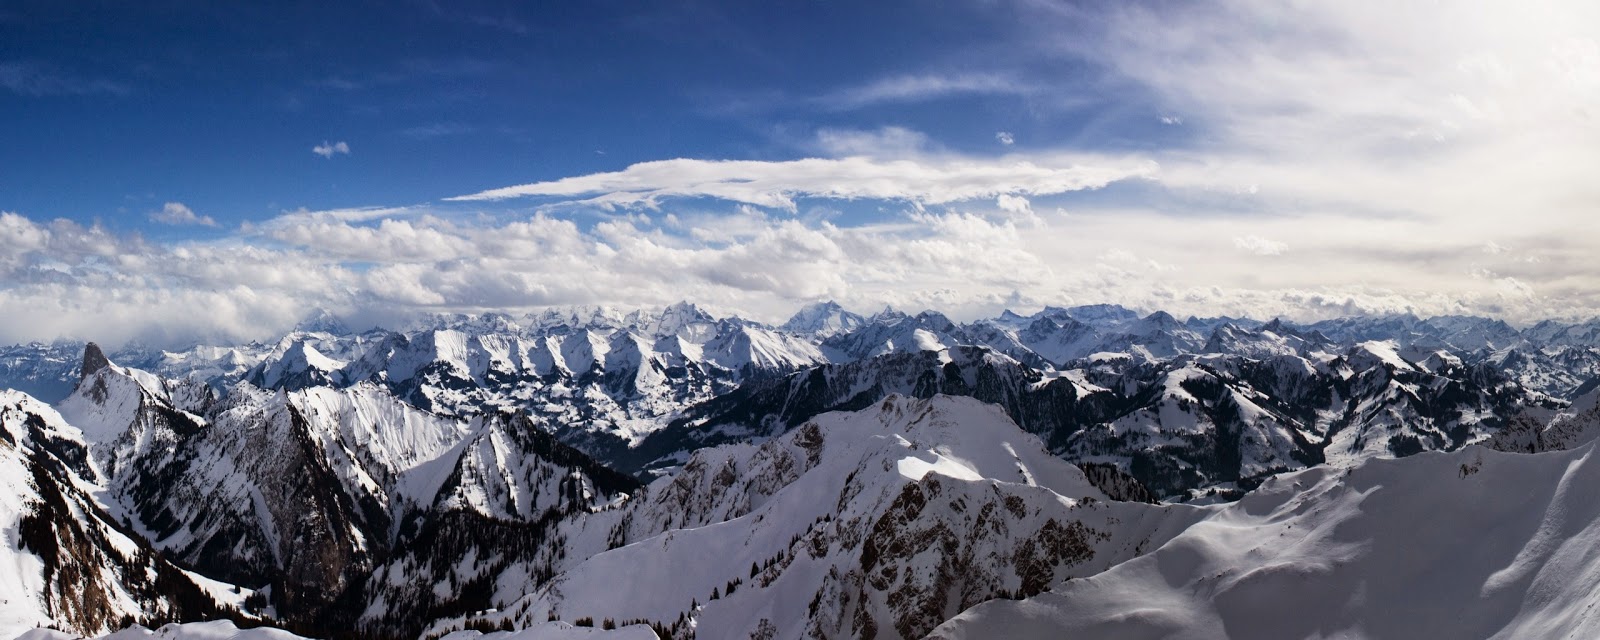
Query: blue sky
{"x": 116, "y": 108}
{"x": 217, "y": 170}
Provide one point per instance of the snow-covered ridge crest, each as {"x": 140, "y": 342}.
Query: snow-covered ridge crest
{"x": 815, "y": 533}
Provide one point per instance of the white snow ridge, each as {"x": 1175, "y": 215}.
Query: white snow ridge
{"x": 590, "y": 473}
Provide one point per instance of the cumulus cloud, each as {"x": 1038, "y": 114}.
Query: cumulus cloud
{"x": 328, "y": 150}
{"x": 60, "y": 279}
{"x": 778, "y": 184}
{"x": 1005, "y": 138}
{"x": 177, "y": 213}
{"x": 1014, "y": 204}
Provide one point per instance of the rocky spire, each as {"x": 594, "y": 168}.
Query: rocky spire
{"x": 93, "y": 360}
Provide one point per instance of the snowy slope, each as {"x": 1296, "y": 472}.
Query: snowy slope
{"x": 892, "y": 518}
{"x": 1472, "y": 544}
{"x": 66, "y": 561}
{"x": 823, "y": 319}
{"x": 311, "y": 490}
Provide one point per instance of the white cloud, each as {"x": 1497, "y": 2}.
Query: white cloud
{"x": 1392, "y": 108}
{"x": 1386, "y": 141}
{"x": 327, "y": 150}
{"x": 66, "y": 280}
{"x": 778, "y": 184}
{"x": 1020, "y": 210}
{"x": 919, "y": 88}
{"x": 1005, "y": 138}
{"x": 885, "y": 142}
{"x": 1260, "y": 246}
{"x": 177, "y": 213}
{"x": 1014, "y": 204}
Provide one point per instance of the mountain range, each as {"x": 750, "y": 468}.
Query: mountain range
{"x": 681, "y": 475}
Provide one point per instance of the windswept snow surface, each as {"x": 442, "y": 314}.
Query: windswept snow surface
{"x": 1471, "y": 544}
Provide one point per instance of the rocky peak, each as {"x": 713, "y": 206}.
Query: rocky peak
{"x": 93, "y": 360}
{"x": 823, "y": 318}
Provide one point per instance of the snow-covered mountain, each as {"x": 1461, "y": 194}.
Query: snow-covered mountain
{"x": 878, "y": 523}
{"x": 308, "y": 492}
{"x": 70, "y": 562}
{"x": 397, "y": 481}
{"x": 1471, "y": 544}
{"x": 823, "y": 319}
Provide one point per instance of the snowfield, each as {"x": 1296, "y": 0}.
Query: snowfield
{"x": 1472, "y": 544}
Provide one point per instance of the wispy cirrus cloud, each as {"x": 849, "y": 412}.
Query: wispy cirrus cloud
{"x": 919, "y": 88}
{"x": 36, "y": 80}
{"x": 777, "y": 184}
{"x": 438, "y": 130}
{"x": 890, "y": 142}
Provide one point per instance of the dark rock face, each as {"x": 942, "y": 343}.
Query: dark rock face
{"x": 1115, "y": 484}
{"x": 943, "y": 546}
{"x": 93, "y": 360}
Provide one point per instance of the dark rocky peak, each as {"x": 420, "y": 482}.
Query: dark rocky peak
{"x": 1544, "y": 330}
{"x": 93, "y": 360}
{"x": 1196, "y": 324}
{"x": 1042, "y": 326}
{"x": 1278, "y": 326}
{"x": 888, "y": 316}
{"x": 935, "y": 321}
{"x": 1010, "y": 318}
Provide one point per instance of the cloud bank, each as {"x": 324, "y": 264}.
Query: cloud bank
{"x": 777, "y": 184}
{"x": 67, "y": 280}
